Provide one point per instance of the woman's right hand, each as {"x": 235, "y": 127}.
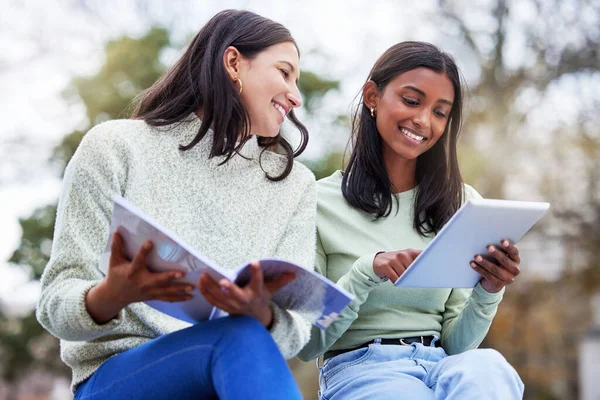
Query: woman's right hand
{"x": 392, "y": 264}
{"x": 129, "y": 282}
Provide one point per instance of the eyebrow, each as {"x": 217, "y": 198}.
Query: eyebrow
{"x": 289, "y": 64}
{"x": 422, "y": 93}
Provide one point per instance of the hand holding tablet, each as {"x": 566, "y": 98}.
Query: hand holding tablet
{"x": 499, "y": 267}
{"x": 445, "y": 262}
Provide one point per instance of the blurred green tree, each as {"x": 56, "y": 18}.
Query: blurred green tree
{"x": 130, "y": 65}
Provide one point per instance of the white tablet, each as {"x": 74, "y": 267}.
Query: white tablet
{"x": 444, "y": 263}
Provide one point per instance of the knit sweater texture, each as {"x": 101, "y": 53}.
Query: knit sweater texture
{"x": 229, "y": 213}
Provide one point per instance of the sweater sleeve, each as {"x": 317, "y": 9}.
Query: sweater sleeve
{"x": 467, "y": 318}
{"x": 290, "y": 331}
{"x": 95, "y": 173}
{"x": 359, "y": 281}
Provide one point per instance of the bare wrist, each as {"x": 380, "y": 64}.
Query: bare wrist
{"x": 378, "y": 274}
{"x": 267, "y": 319}
{"x": 101, "y": 305}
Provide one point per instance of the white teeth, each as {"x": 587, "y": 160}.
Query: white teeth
{"x": 412, "y": 135}
{"x": 280, "y": 109}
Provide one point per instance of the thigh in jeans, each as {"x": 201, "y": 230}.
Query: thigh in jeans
{"x": 233, "y": 357}
{"x": 161, "y": 378}
{"x": 377, "y": 373}
{"x": 338, "y": 371}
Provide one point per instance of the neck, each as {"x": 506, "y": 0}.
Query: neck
{"x": 401, "y": 172}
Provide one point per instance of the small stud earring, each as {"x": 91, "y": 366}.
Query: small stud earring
{"x": 372, "y": 112}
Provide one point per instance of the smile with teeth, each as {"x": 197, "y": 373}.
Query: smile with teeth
{"x": 412, "y": 135}
{"x": 280, "y": 109}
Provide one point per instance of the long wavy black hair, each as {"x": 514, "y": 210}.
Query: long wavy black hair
{"x": 198, "y": 80}
{"x": 366, "y": 184}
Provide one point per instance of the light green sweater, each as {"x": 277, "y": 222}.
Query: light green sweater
{"x": 347, "y": 241}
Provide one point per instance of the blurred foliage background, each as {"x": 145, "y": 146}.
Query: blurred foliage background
{"x": 531, "y": 133}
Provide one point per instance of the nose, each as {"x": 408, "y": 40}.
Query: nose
{"x": 422, "y": 119}
{"x": 294, "y": 97}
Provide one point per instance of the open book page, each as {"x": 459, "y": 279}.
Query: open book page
{"x": 310, "y": 294}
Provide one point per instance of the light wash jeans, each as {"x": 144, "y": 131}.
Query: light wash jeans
{"x": 233, "y": 358}
{"x": 418, "y": 372}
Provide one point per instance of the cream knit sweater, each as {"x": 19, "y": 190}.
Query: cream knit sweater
{"x": 229, "y": 213}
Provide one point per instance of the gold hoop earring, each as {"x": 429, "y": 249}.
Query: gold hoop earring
{"x": 241, "y": 86}
{"x": 372, "y": 112}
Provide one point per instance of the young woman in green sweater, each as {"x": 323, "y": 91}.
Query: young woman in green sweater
{"x": 401, "y": 185}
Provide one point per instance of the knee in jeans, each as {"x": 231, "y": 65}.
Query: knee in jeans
{"x": 483, "y": 370}
{"x": 248, "y": 332}
{"x": 486, "y": 360}
{"x": 249, "y": 325}
{"x": 492, "y": 357}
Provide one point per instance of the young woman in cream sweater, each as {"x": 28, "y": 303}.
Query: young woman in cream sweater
{"x": 195, "y": 158}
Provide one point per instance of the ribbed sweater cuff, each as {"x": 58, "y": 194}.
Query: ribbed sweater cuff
{"x": 79, "y": 318}
{"x": 363, "y": 267}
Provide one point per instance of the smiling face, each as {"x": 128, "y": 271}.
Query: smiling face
{"x": 411, "y": 112}
{"x": 270, "y": 85}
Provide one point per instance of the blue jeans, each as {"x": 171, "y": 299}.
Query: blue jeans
{"x": 227, "y": 358}
{"x": 418, "y": 372}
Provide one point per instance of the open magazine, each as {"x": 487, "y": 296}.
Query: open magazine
{"x": 310, "y": 294}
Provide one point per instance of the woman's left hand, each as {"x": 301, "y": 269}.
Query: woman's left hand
{"x": 253, "y": 299}
{"x": 500, "y": 268}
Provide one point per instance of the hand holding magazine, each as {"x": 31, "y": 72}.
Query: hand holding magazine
{"x": 321, "y": 307}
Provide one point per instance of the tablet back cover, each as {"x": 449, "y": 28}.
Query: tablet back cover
{"x": 444, "y": 263}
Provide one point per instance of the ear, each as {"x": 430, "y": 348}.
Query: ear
{"x": 232, "y": 60}
{"x": 370, "y": 95}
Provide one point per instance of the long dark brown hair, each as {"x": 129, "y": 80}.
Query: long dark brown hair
{"x": 366, "y": 184}
{"x": 199, "y": 81}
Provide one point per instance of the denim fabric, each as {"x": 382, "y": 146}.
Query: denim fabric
{"x": 418, "y": 372}
{"x": 229, "y": 358}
